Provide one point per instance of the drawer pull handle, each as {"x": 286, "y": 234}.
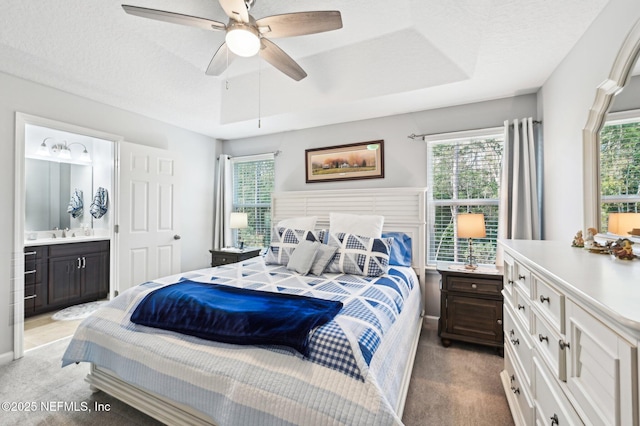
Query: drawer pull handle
{"x": 544, "y": 299}
{"x": 515, "y": 389}
{"x": 515, "y": 341}
{"x": 512, "y": 378}
{"x": 541, "y": 337}
{"x": 510, "y": 282}
{"x": 521, "y": 277}
{"x": 30, "y": 272}
{"x": 499, "y": 322}
{"x": 564, "y": 344}
{"x": 474, "y": 286}
{"x": 520, "y": 307}
{"x": 29, "y": 253}
{"x": 554, "y": 419}
{"x": 31, "y": 297}
{"x": 512, "y": 332}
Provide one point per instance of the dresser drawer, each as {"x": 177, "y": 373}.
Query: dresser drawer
{"x": 474, "y": 285}
{"x": 518, "y": 389}
{"x": 508, "y": 283}
{"x": 547, "y": 340}
{"x": 522, "y": 277}
{"x": 519, "y": 342}
{"x": 552, "y": 406}
{"x": 522, "y": 306}
{"x": 550, "y": 302}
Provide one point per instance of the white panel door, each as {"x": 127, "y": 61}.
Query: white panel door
{"x": 148, "y": 237}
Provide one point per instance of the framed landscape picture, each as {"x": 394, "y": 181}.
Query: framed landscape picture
{"x": 363, "y": 160}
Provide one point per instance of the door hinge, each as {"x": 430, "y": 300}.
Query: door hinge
{"x": 116, "y": 228}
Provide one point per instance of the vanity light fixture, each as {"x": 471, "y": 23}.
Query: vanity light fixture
{"x": 63, "y": 150}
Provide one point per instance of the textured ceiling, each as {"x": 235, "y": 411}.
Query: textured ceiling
{"x": 389, "y": 58}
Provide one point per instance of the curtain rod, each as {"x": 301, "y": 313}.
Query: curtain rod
{"x": 423, "y": 135}
{"x": 275, "y": 154}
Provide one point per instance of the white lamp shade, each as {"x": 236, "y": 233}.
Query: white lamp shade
{"x": 623, "y": 223}
{"x": 471, "y": 225}
{"x": 238, "y": 220}
{"x": 243, "y": 40}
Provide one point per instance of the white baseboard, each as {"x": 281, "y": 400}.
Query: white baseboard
{"x": 6, "y": 358}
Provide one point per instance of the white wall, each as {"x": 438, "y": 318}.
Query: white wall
{"x": 198, "y": 153}
{"x": 566, "y": 98}
{"x": 405, "y": 159}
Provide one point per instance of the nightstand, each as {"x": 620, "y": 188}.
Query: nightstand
{"x": 224, "y": 257}
{"x": 470, "y": 305}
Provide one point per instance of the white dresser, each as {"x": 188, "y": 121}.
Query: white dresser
{"x": 571, "y": 329}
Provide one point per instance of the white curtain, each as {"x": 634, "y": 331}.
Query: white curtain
{"x": 224, "y": 203}
{"x": 519, "y": 216}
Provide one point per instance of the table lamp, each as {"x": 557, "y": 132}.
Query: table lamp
{"x": 623, "y": 223}
{"x": 471, "y": 225}
{"x": 238, "y": 220}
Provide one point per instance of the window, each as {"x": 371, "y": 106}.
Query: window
{"x": 463, "y": 177}
{"x": 253, "y": 179}
{"x": 620, "y": 165}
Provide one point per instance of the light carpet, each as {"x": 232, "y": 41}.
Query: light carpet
{"x": 458, "y": 385}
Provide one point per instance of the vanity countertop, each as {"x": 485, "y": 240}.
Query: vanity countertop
{"x": 66, "y": 240}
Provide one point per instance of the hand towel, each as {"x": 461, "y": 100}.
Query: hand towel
{"x": 99, "y": 206}
{"x": 76, "y": 207}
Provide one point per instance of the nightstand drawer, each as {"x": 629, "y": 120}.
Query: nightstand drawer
{"x": 474, "y": 285}
{"x": 222, "y": 260}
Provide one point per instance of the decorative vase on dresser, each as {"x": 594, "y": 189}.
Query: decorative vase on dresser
{"x": 572, "y": 328}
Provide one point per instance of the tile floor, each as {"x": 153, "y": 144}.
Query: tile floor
{"x": 41, "y": 329}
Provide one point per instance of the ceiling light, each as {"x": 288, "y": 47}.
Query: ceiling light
{"x": 242, "y": 39}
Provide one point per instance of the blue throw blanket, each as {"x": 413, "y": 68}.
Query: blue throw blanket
{"x": 235, "y": 315}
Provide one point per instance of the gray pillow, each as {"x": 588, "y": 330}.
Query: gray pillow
{"x": 302, "y": 257}
{"x": 323, "y": 257}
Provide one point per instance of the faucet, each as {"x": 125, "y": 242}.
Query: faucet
{"x": 64, "y": 232}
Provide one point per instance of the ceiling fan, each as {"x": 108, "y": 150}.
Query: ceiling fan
{"x": 246, "y": 36}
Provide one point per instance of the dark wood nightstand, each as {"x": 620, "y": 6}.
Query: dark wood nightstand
{"x": 224, "y": 257}
{"x": 470, "y": 305}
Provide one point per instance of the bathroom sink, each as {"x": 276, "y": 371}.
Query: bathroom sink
{"x": 66, "y": 240}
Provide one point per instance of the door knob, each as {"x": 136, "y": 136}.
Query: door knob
{"x": 176, "y": 237}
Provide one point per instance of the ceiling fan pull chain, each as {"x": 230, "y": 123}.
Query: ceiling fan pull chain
{"x": 226, "y": 71}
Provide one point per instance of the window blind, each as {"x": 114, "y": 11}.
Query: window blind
{"x": 253, "y": 181}
{"x": 463, "y": 177}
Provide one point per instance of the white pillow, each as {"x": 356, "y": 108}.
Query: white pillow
{"x": 304, "y": 223}
{"x": 363, "y": 225}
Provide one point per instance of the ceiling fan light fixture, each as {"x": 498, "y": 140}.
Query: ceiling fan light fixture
{"x": 243, "y": 40}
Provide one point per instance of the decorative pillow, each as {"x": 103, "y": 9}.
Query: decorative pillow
{"x": 323, "y": 257}
{"x": 358, "y": 255}
{"x": 307, "y": 223}
{"x": 303, "y": 256}
{"x": 321, "y": 235}
{"x": 364, "y": 225}
{"x": 283, "y": 242}
{"x": 400, "y": 248}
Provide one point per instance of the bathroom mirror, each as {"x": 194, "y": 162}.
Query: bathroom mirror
{"x": 49, "y": 187}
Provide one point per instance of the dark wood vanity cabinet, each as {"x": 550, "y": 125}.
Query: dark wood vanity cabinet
{"x": 78, "y": 273}
{"x": 35, "y": 279}
{"x": 61, "y": 275}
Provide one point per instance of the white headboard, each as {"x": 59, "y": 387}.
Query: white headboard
{"x": 404, "y": 210}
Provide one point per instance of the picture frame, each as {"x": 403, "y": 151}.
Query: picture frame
{"x": 362, "y": 160}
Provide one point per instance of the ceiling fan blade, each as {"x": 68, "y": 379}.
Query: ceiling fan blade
{"x": 276, "y": 57}
{"x": 236, "y": 10}
{"x": 176, "y": 18}
{"x": 220, "y": 61}
{"x": 300, "y": 23}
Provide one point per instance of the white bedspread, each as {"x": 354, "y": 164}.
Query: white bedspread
{"x": 247, "y": 385}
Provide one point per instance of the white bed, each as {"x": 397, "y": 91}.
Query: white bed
{"x": 257, "y": 384}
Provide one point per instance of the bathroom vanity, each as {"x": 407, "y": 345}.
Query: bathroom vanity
{"x": 68, "y": 272}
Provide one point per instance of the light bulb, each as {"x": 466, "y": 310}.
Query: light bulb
{"x": 243, "y": 40}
